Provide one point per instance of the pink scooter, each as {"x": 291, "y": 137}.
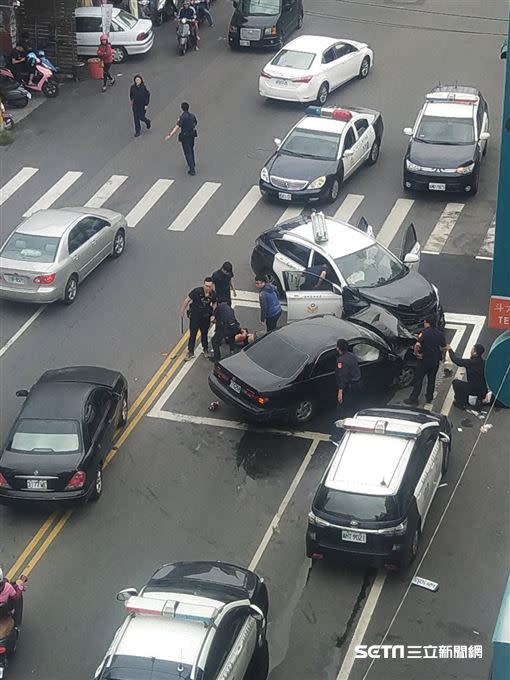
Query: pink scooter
{"x": 43, "y": 81}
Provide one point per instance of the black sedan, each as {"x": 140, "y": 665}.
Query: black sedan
{"x": 289, "y": 373}
{"x": 59, "y": 442}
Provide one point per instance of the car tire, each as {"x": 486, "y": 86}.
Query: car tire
{"x": 364, "y": 68}
{"x": 71, "y": 290}
{"x": 334, "y": 190}
{"x": 302, "y": 412}
{"x": 474, "y": 187}
{"x": 119, "y": 243}
{"x": 97, "y": 487}
{"x": 119, "y": 55}
{"x": 259, "y": 664}
{"x": 123, "y": 418}
{"x": 447, "y": 447}
{"x": 406, "y": 376}
{"x": 374, "y": 153}
{"x": 411, "y": 545}
{"x": 322, "y": 94}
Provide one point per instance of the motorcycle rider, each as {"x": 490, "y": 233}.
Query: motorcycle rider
{"x": 18, "y": 62}
{"x": 188, "y": 12}
{"x": 9, "y": 593}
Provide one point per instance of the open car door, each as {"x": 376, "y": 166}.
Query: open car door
{"x": 282, "y": 264}
{"x": 307, "y": 295}
{"x": 364, "y": 226}
{"x": 411, "y": 248}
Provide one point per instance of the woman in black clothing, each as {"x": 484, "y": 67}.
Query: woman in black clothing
{"x": 139, "y": 96}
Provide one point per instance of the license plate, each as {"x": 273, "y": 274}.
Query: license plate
{"x": 244, "y": 43}
{"x": 433, "y": 186}
{"x": 37, "y": 484}
{"x": 284, "y": 197}
{"x": 20, "y": 280}
{"x": 280, "y": 81}
{"x": 234, "y": 386}
{"x": 354, "y": 536}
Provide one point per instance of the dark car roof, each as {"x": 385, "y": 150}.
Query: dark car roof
{"x": 56, "y": 401}
{"x": 93, "y": 375}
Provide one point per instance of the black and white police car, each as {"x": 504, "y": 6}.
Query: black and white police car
{"x": 321, "y": 151}
{"x": 375, "y": 496}
{"x": 448, "y": 141}
{"x": 360, "y": 271}
{"x": 192, "y": 621}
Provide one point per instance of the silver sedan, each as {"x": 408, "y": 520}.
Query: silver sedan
{"x": 50, "y": 253}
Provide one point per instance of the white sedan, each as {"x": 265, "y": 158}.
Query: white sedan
{"x": 308, "y": 68}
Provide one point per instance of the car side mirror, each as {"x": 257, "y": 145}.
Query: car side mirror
{"x": 125, "y": 594}
{"x": 444, "y": 438}
{"x": 484, "y": 136}
{"x": 408, "y": 131}
{"x": 277, "y": 141}
{"x": 257, "y": 613}
{"x": 411, "y": 258}
{"x": 347, "y": 153}
{"x": 22, "y": 393}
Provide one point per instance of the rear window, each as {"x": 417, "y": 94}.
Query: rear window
{"x": 45, "y": 436}
{"x": 362, "y": 507}
{"x": 125, "y": 667}
{"x": 31, "y": 248}
{"x": 126, "y": 20}
{"x": 293, "y": 59}
{"x": 277, "y": 356}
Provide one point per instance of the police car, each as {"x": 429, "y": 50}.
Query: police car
{"x": 374, "y": 498}
{"x": 359, "y": 271}
{"x": 192, "y": 621}
{"x": 448, "y": 141}
{"x": 321, "y": 151}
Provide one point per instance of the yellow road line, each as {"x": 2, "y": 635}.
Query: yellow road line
{"x": 47, "y": 542}
{"x": 14, "y": 570}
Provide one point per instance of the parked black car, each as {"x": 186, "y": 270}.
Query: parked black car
{"x": 59, "y": 442}
{"x": 264, "y": 23}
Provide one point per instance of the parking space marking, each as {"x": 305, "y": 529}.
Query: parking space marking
{"x": 349, "y": 206}
{"x": 194, "y": 206}
{"x": 10, "y": 187}
{"x": 241, "y": 212}
{"x": 148, "y": 200}
{"x": 486, "y": 252}
{"x": 444, "y": 227}
{"x": 106, "y": 191}
{"x": 21, "y": 330}
{"x": 53, "y": 194}
{"x": 392, "y": 223}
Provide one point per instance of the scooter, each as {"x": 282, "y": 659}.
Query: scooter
{"x": 183, "y": 36}
{"x": 43, "y": 81}
{"x": 10, "y": 630}
{"x": 8, "y": 124}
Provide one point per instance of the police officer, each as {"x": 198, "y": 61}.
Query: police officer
{"x": 199, "y": 302}
{"x": 347, "y": 375}
{"x": 429, "y": 351}
{"x": 475, "y": 384}
{"x": 186, "y": 126}
{"x": 223, "y": 283}
{"x": 316, "y": 278}
{"x": 227, "y": 327}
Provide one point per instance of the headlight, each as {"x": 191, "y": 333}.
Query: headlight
{"x": 317, "y": 183}
{"x": 412, "y": 166}
{"x": 399, "y": 530}
{"x": 272, "y": 30}
{"x": 317, "y": 521}
{"x": 264, "y": 175}
{"x": 465, "y": 169}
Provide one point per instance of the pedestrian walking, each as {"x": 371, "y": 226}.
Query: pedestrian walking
{"x": 199, "y": 305}
{"x": 270, "y": 307}
{"x": 140, "y": 97}
{"x": 186, "y": 126}
{"x": 223, "y": 283}
{"x": 105, "y": 53}
{"x": 227, "y": 327}
{"x": 475, "y": 385}
{"x": 429, "y": 351}
{"x": 347, "y": 377}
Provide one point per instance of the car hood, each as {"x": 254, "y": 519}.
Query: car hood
{"x": 254, "y": 21}
{"x": 408, "y": 291}
{"x": 295, "y": 167}
{"x": 440, "y": 155}
{"x": 44, "y": 463}
{"x": 252, "y": 375}
{"x": 387, "y": 325}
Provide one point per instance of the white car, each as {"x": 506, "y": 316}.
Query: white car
{"x": 128, "y": 35}
{"x": 308, "y": 68}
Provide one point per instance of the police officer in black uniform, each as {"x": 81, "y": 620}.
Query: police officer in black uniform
{"x": 199, "y": 302}
{"x": 186, "y": 126}
{"x": 227, "y": 327}
{"x": 430, "y": 351}
{"x": 347, "y": 375}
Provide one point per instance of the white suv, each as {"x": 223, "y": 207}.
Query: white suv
{"x": 192, "y": 621}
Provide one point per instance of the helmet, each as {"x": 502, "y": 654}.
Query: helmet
{"x": 103, "y": 37}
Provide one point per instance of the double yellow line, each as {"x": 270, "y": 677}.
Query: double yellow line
{"x": 53, "y": 525}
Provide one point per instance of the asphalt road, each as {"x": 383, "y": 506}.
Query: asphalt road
{"x": 185, "y": 490}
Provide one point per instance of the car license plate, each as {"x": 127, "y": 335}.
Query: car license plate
{"x": 354, "y": 536}
{"x": 20, "y": 280}
{"x": 433, "y": 186}
{"x": 280, "y": 81}
{"x": 244, "y": 43}
{"x": 284, "y": 197}
{"x": 234, "y": 386}
{"x": 37, "y": 484}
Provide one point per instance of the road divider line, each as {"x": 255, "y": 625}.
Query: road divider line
{"x": 47, "y": 542}
{"x": 21, "y": 330}
{"x": 349, "y": 206}
{"x": 19, "y": 179}
{"x": 240, "y": 213}
{"x": 444, "y": 227}
{"x": 53, "y": 194}
{"x": 486, "y": 252}
{"x": 290, "y": 213}
{"x": 194, "y": 206}
{"x": 15, "y": 570}
{"x": 394, "y": 220}
{"x": 148, "y": 201}
{"x": 106, "y": 191}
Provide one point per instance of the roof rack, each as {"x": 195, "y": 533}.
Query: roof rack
{"x": 392, "y": 427}
{"x": 182, "y": 611}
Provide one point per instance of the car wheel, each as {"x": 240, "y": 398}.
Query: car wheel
{"x": 446, "y": 457}
{"x": 119, "y": 243}
{"x": 374, "y": 153}
{"x": 71, "y": 290}
{"x": 474, "y": 186}
{"x": 364, "y": 68}
{"x": 300, "y": 21}
{"x": 334, "y": 190}
{"x": 411, "y": 546}
{"x": 123, "y": 418}
{"x": 259, "y": 664}
{"x": 97, "y": 488}
{"x": 406, "y": 377}
{"x": 303, "y": 412}
{"x": 119, "y": 55}
{"x": 322, "y": 94}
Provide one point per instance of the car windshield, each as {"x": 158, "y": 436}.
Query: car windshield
{"x": 357, "y": 506}
{"x": 126, "y": 20}
{"x": 312, "y": 144}
{"x": 31, "y": 248}
{"x": 257, "y": 7}
{"x": 371, "y": 267}
{"x": 45, "y": 436}
{"x": 124, "y": 667}
{"x": 435, "y": 130}
{"x": 293, "y": 59}
{"x": 277, "y": 356}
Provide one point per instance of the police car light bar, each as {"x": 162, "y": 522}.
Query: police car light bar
{"x": 382, "y": 426}
{"x": 457, "y": 97}
{"x": 334, "y": 113}
{"x": 319, "y": 227}
{"x": 173, "y": 609}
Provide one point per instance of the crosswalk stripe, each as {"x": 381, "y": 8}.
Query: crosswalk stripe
{"x": 486, "y": 252}
{"x": 290, "y": 213}
{"x": 240, "y": 213}
{"x": 106, "y": 191}
{"x": 349, "y": 206}
{"x": 53, "y": 194}
{"x": 10, "y": 187}
{"x": 392, "y": 223}
{"x": 195, "y": 205}
{"x": 437, "y": 239}
{"x": 148, "y": 200}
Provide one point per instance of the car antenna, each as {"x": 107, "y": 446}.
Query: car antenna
{"x": 180, "y": 667}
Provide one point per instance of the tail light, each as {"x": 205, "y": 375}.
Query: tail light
{"x": 141, "y": 36}
{"x": 45, "y": 279}
{"x": 221, "y": 374}
{"x": 253, "y": 396}
{"x": 3, "y": 650}
{"x": 265, "y": 75}
{"x": 77, "y": 481}
{"x": 304, "y": 79}
{"x": 3, "y": 482}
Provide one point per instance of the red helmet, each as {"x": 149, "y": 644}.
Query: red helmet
{"x": 103, "y": 37}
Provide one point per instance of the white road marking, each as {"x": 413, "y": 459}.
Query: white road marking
{"x": 53, "y": 194}
{"x": 19, "y": 179}
{"x": 148, "y": 200}
{"x": 240, "y": 213}
{"x": 291, "y": 212}
{"x": 486, "y": 252}
{"x": 349, "y": 206}
{"x": 195, "y": 205}
{"x": 106, "y": 191}
{"x": 444, "y": 226}
{"x": 392, "y": 223}
{"x": 21, "y": 330}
